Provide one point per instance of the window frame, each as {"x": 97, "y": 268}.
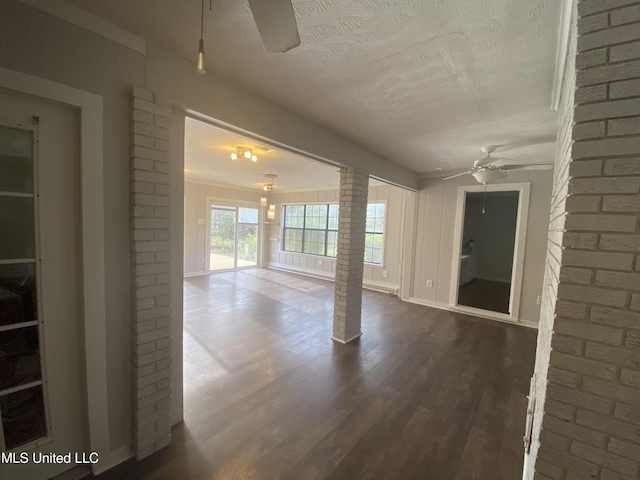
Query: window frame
{"x": 284, "y": 228}
{"x": 384, "y": 232}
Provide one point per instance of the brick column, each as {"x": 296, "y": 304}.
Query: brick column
{"x": 354, "y": 187}
{"x": 591, "y": 380}
{"x": 151, "y": 272}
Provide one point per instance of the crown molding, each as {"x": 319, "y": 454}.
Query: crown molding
{"x": 88, "y": 21}
{"x": 564, "y": 30}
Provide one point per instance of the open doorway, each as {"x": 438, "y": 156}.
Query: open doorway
{"x": 489, "y": 249}
{"x": 488, "y": 241}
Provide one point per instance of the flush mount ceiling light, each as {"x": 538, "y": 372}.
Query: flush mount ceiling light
{"x": 267, "y": 181}
{"x": 244, "y": 152}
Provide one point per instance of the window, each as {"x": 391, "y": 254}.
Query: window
{"x": 374, "y": 233}
{"x": 313, "y": 229}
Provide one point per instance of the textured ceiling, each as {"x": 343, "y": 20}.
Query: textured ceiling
{"x": 425, "y": 83}
{"x": 207, "y": 158}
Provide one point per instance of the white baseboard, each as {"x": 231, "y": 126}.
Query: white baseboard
{"x": 488, "y": 316}
{"x": 344, "y": 342}
{"x": 368, "y": 284}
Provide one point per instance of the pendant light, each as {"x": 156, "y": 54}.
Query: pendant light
{"x": 200, "y": 68}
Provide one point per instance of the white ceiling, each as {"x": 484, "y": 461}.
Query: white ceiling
{"x": 425, "y": 83}
{"x": 208, "y": 159}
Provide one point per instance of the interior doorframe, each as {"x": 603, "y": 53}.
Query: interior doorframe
{"x": 523, "y": 188}
{"x": 225, "y": 202}
{"x": 90, "y": 107}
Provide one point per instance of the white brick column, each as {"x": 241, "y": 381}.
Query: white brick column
{"x": 354, "y": 186}
{"x": 589, "y": 342}
{"x": 151, "y": 272}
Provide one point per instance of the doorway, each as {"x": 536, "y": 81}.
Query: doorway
{"x": 233, "y": 236}
{"x": 489, "y": 250}
{"x": 42, "y": 402}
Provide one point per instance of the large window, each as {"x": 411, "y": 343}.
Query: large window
{"x": 313, "y": 229}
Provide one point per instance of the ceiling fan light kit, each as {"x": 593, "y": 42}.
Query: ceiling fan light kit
{"x": 490, "y": 169}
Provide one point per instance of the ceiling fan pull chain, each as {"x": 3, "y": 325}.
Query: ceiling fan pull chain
{"x": 484, "y": 197}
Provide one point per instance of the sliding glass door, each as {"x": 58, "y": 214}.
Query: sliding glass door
{"x": 233, "y": 240}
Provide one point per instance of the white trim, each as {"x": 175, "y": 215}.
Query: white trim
{"x": 344, "y": 342}
{"x": 88, "y": 21}
{"x": 518, "y": 250}
{"x": 562, "y": 48}
{"x": 528, "y": 324}
{"x": 93, "y": 268}
{"x": 472, "y": 312}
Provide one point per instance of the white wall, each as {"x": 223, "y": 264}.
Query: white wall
{"x": 395, "y": 199}
{"x": 431, "y": 240}
{"x": 195, "y": 208}
{"x": 493, "y": 234}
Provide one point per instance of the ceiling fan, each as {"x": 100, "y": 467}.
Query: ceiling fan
{"x": 276, "y": 24}
{"x": 489, "y": 169}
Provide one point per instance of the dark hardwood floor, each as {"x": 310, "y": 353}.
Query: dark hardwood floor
{"x": 486, "y": 294}
{"x": 424, "y": 393}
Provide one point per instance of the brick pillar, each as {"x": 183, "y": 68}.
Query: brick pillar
{"x": 354, "y": 187}
{"x": 151, "y": 272}
{"x": 589, "y": 343}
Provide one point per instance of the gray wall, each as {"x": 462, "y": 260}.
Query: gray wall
{"x": 435, "y": 213}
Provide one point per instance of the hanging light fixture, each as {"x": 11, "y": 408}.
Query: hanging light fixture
{"x": 267, "y": 181}
{"x": 244, "y": 152}
{"x": 200, "y": 68}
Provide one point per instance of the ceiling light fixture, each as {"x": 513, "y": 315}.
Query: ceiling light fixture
{"x": 267, "y": 181}
{"x": 200, "y": 68}
{"x": 244, "y": 152}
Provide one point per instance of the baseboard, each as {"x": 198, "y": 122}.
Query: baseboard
{"x": 344, "y": 342}
{"x": 195, "y": 274}
{"x": 443, "y": 306}
{"x": 428, "y": 303}
{"x": 529, "y": 324}
{"x": 368, "y": 284}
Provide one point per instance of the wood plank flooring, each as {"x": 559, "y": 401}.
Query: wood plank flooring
{"x": 486, "y": 294}
{"x": 424, "y": 394}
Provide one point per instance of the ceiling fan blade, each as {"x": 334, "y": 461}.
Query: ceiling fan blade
{"x": 500, "y": 161}
{"x": 531, "y": 166}
{"x": 276, "y": 23}
{"x": 458, "y": 175}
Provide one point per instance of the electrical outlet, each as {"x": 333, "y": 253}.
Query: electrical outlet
{"x": 273, "y": 255}
{"x": 539, "y": 300}
{"x": 319, "y": 263}
{"x": 429, "y": 283}
{"x": 385, "y": 274}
